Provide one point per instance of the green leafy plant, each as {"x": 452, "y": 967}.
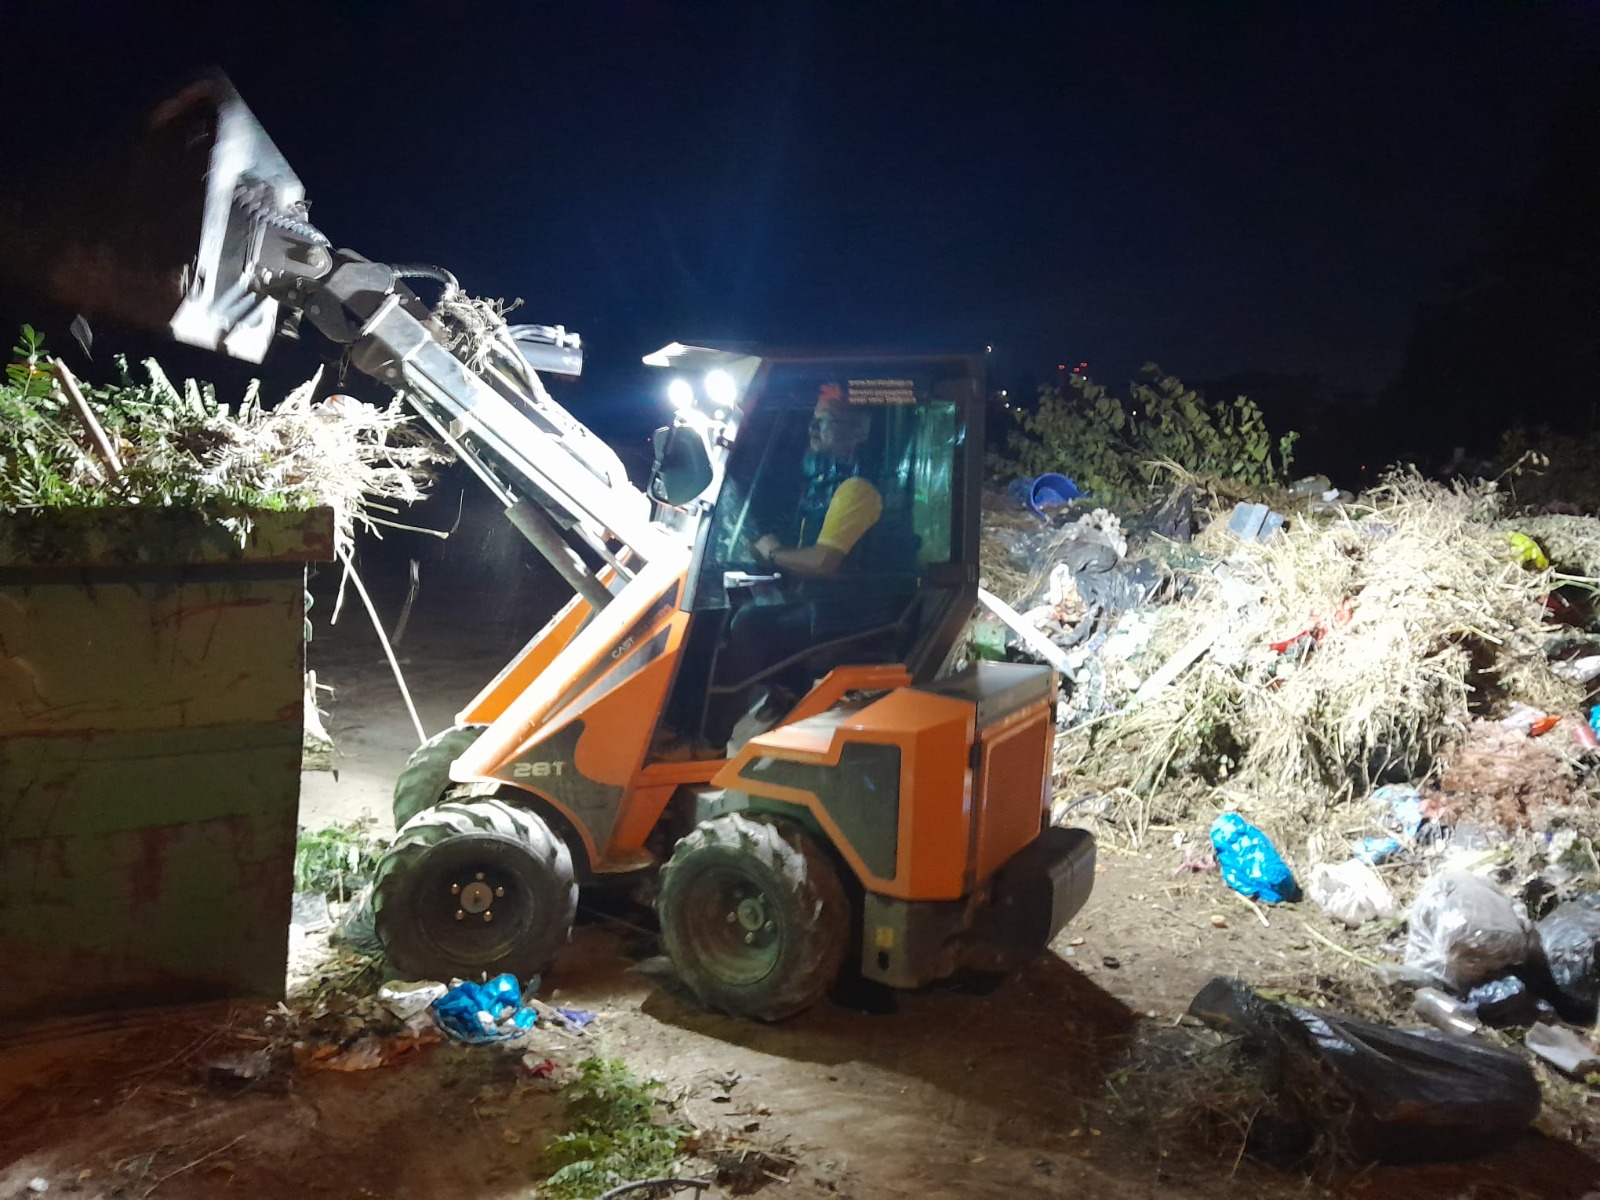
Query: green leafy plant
{"x": 337, "y": 860}
{"x": 1112, "y": 446}
{"x": 613, "y": 1136}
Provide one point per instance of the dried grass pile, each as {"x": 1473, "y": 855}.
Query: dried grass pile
{"x": 180, "y": 448}
{"x": 1350, "y": 649}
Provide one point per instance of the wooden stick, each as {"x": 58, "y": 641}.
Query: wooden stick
{"x": 388, "y": 650}
{"x": 85, "y": 415}
{"x": 194, "y": 1164}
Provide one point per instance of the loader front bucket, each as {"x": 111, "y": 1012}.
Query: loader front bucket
{"x": 157, "y": 238}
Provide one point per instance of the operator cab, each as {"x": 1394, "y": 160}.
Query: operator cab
{"x": 760, "y": 637}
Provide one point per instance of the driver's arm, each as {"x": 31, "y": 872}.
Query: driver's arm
{"x": 854, "y": 509}
{"x": 807, "y": 562}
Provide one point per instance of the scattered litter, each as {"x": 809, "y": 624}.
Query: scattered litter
{"x": 1187, "y": 655}
{"x": 1527, "y": 551}
{"x": 410, "y": 1002}
{"x": 576, "y": 1017}
{"x": 1563, "y": 1050}
{"x": 1396, "y": 1095}
{"x": 239, "y": 1069}
{"x": 1218, "y": 921}
{"x": 1250, "y": 863}
{"x": 364, "y": 1053}
{"x": 1350, "y": 892}
{"x": 1445, "y": 1012}
{"x": 310, "y": 912}
{"x": 1578, "y": 670}
{"x": 1570, "y": 938}
{"x": 539, "y": 1068}
{"x": 38, "y": 1185}
{"x": 1464, "y": 932}
{"x": 484, "y": 1012}
{"x": 1254, "y": 522}
{"x": 1527, "y": 718}
{"x": 1399, "y": 807}
{"x": 1375, "y": 851}
{"x": 1505, "y": 1002}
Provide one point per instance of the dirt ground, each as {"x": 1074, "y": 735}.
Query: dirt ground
{"x": 950, "y": 1095}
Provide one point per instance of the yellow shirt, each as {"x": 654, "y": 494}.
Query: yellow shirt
{"x": 854, "y": 509}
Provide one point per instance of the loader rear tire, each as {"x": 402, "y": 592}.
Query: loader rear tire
{"x": 754, "y": 917}
{"x": 425, "y": 778}
{"x": 473, "y": 888}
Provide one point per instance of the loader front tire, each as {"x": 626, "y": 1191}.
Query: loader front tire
{"x": 754, "y": 917}
{"x": 425, "y": 778}
{"x": 473, "y": 888}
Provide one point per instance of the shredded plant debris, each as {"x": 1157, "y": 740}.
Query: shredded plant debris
{"x": 180, "y": 447}
{"x": 1352, "y": 649}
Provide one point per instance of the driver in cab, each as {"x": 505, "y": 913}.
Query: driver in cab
{"x": 838, "y": 506}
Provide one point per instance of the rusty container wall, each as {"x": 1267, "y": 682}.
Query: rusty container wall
{"x": 151, "y": 692}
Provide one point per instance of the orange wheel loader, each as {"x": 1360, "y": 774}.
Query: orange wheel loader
{"x": 783, "y": 759}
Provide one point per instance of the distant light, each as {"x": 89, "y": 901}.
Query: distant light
{"x": 1003, "y": 392}
{"x": 1061, "y": 366}
{"x": 720, "y": 387}
{"x": 720, "y": 414}
{"x": 988, "y": 349}
{"x": 680, "y": 393}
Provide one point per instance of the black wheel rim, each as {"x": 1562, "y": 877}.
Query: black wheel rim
{"x": 471, "y": 910}
{"x": 731, "y": 927}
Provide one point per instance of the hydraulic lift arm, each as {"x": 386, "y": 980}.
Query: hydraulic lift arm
{"x": 201, "y": 233}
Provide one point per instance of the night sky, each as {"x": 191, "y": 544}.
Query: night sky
{"x": 1222, "y": 188}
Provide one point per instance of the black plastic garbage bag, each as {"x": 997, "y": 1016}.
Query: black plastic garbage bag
{"x": 1377, "y": 1094}
{"x": 1506, "y": 1002}
{"x": 1127, "y": 584}
{"x": 1570, "y": 937}
{"x": 1173, "y": 518}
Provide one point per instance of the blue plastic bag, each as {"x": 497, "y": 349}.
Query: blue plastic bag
{"x": 472, "y": 1012}
{"x": 1404, "y": 804}
{"x": 1376, "y": 850}
{"x": 1250, "y": 863}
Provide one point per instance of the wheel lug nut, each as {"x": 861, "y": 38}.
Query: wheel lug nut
{"x": 488, "y": 914}
{"x": 460, "y": 914}
{"x": 769, "y": 927}
{"x": 499, "y": 891}
{"x": 455, "y": 889}
{"x": 479, "y": 876}
{"x": 732, "y": 917}
{"x": 749, "y": 939}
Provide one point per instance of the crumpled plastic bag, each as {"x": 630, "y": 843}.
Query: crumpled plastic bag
{"x": 484, "y": 1012}
{"x": 1350, "y": 892}
{"x": 1464, "y": 932}
{"x": 1250, "y": 863}
{"x": 1396, "y": 1095}
{"x": 1570, "y": 937}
